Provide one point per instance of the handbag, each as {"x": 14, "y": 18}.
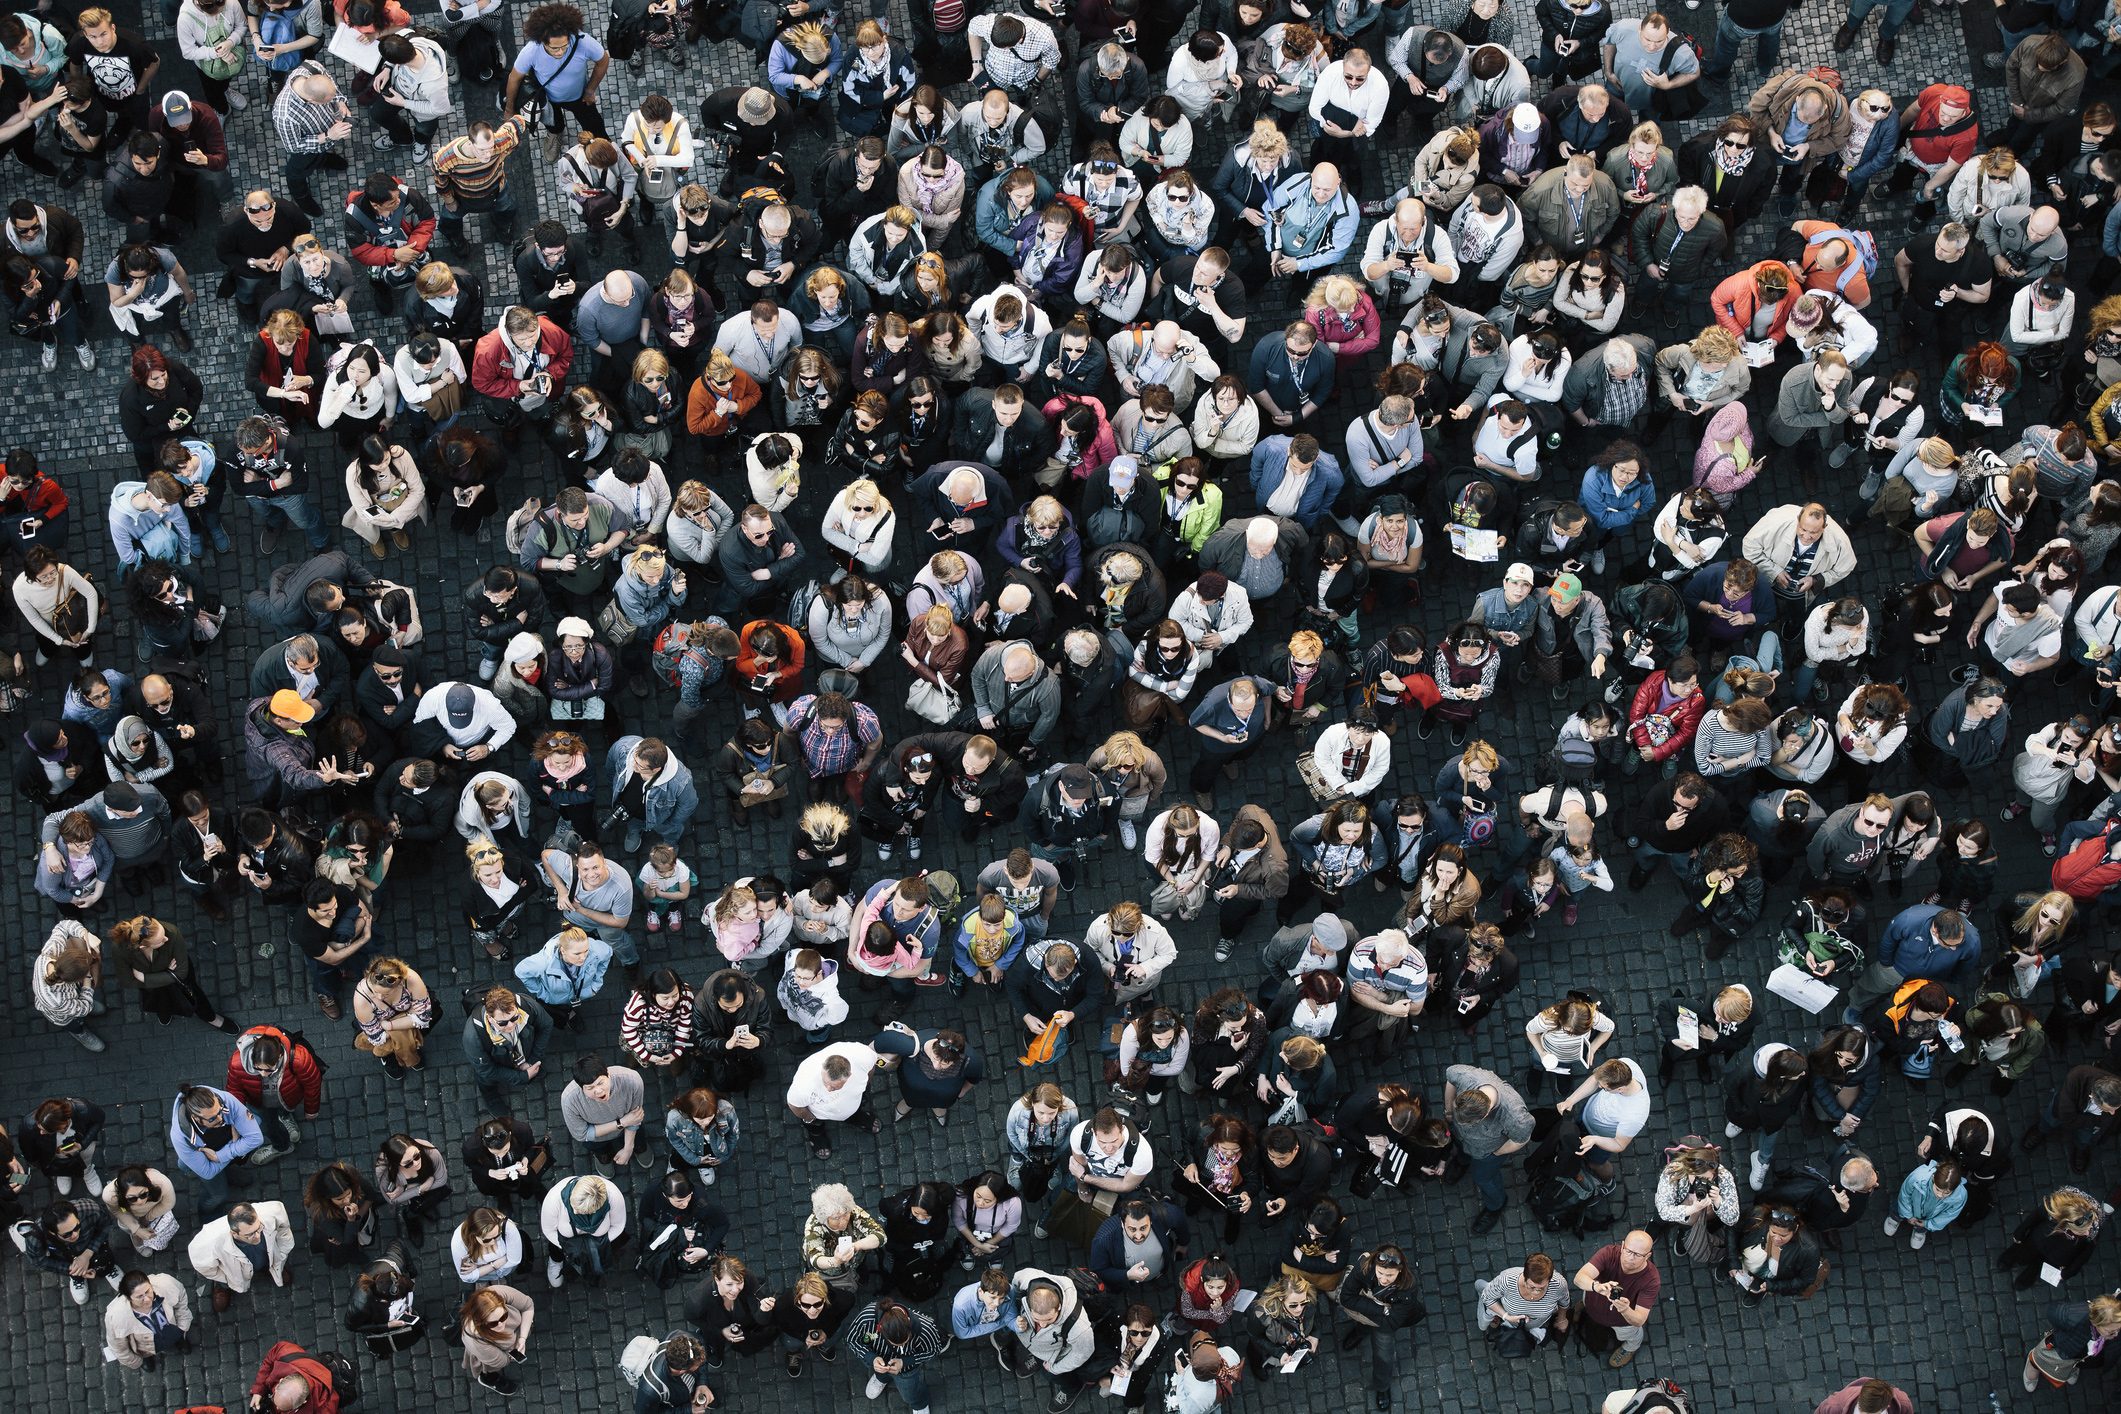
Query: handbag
{"x": 617, "y": 629}
{"x": 70, "y": 615}
{"x": 1511, "y": 1342}
{"x": 446, "y": 400}
{"x": 933, "y": 701}
{"x": 1165, "y": 900}
{"x": 1321, "y": 790}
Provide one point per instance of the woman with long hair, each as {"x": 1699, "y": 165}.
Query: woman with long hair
{"x": 1983, "y": 378}
{"x": 342, "y": 1206}
{"x": 494, "y": 1327}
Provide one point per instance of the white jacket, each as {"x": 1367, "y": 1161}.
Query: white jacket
{"x": 870, "y": 543}
{"x": 215, "y": 1255}
{"x": 416, "y": 386}
{"x": 1325, "y": 755}
{"x": 1154, "y": 951}
{"x": 1190, "y": 613}
{"x": 471, "y": 822}
{"x": 128, "y": 1342}
{"x": 557, "y": 1223}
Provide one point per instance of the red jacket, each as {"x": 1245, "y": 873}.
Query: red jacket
{"x": 491, "y": 364}
{"x": 1684, "y": 718}
{"x": 418, "y": 233}
{"x": 301, "y": 1078}
{"x": 1735, "y": 301}
{"x": 287, "y": 1358}
{"x": 789, "y": 685}
{"x": 40, "y": 496}
{"x": 2085, "y": 872}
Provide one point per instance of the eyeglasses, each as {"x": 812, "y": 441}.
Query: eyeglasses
{"x": 257, "y": 210}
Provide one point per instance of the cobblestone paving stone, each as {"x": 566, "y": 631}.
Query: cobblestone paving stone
{"x": 1937, "y": 1323}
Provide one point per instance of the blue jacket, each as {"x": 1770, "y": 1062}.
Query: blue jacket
{"x": 184, "y": 1139}
{"x": 780, "y": 72}
{"x": 1909, "y": 949}
{"x": 1615, "y": 509}
{"x": 1108, "y": 1250}
{"x": 1270, "y": 463}
{"x": 1919, "y": 1201}
{"x": 963, "y": 951}
{"x": 1879, "y": 149}
{"x": 991, "y": 221}
{"x": 671, "y": 797}
{"x": 546, "y": 976}
{"x": 1273, "y": 374}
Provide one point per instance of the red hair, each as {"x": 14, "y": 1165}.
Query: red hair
{"x": 147, "y": 360}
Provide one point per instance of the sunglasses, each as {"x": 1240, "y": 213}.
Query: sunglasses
{"x": 257, "y": 210}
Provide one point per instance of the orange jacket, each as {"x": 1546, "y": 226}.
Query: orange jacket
{"x": 700, "y": 414}
{"x": 1736, "y": 300}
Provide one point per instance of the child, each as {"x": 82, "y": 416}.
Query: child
{"x": 1530, "y": 896}
{"x": 822, "y": 917}
{"x": 1576, "y": 856}
{"x": 810, "y": 994}
{"x": 666, "y": 879}
{"x": 1930, "y": 1198}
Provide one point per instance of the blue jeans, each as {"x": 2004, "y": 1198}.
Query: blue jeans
{"x": 297, "y": 511}
{"x": 1764, "y": 1145}
{"x": 1896, "y": 13}
{"x": 211, "y": 1200}
{"x": 1730, "y": 38}
{"x": 1766, "y": 655}
{"x": 1486, "y": 1174}
{"x": 912, "y": 1386}
{"x": 1647, "y": 856}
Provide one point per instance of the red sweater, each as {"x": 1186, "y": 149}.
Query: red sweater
{"x": 2085, "y": 872}
{"x": 287, "y": 1358}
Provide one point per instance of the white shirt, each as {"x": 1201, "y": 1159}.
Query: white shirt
{"x": 1103, "y": 1165}
{"x": 807, "y": 1090}
{"x": 1366, "y": 103}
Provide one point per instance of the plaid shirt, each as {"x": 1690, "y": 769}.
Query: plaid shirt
{"x": 1017, "y": 69}
{"x": 832, "y": 753}
{"x": 300, "y": 123}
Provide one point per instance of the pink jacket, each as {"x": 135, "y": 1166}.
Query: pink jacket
{"x": 1718, "y": 471}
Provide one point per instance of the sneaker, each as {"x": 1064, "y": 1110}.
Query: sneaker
{"x": 795, "y": 1367}
{"x": 1758, "y": 1175}
{"x": 1916, "y": 1238}
{"x": 489, "y": 668}
{"x": 1459, "y": 732}
{"x": 1424, "y": 725}
{"x": 499, "y": 1383}
{"x": 632, "y": 843}
{"x": 676, "y": 921}
{"x": 1892, "y": 1225}
{"x": 883, "y": 854}
{"x": 875, "y": 1388}
{"x": 79, "y": 1288}
{"x": 64, "y": 1183}
{"x": 237, "y": 102}
{"x": 20, "y": 1233}
{"x": 1038, "y": 1230}
{"x": 553, "y": 1274}
{"x": 1128, "y": 835}
{"x": 655, "y": 922}
{"x": 382, "y": 142}
{"x": 913, "y": 847}
{"x": 1598, "y": 562}
{"x": 2049, "y": 844}
{"x": 50, "y": 357}
{"x": 1223, "y": 948}
{"x": 114, "y": 1278}
{"x": 421, "y": 152}
{"x": 93, "y": 1180}
{"x": 85, "y": 355}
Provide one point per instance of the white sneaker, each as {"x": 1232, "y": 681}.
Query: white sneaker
{"x": 1732, "y": 1131}
{"x": 85, "y": 355}
{"x": 383, "y": 142}
{"x": 1919, "y": 1236}
{"x": 1892, "y": 1225}
{"x": 50, "y": 357}
{"x": 883, "y": 854}
{"x": 874, "y": 1389}
{"x": 553, "y": 1272}
{"x": 294, "y": 1132}
{"x": 1127, "y": 833}
{"x": 707, "y": 1177}
{"x": 1758, "y": 1177}
{"x": 913, "y": 847}
{"x": 1598, "y": 562}
{"x": 94, "y": 1181}
{"x": 20, "y": 1233}
{"x": 422, "y": 152}
{"x": 115, "y": 1277}
{"x": 237, "y": 102}
{"x": 79, "y": 1288}
{"x": 63, "y": 1183}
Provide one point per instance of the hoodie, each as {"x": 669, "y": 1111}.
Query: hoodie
{"x": 300, "y": 1081}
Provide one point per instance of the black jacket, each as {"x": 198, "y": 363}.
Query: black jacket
{"x": 421, "y": 819}
{"x": 1798, "y": 1266}
{"x": 534, "y": 281}
{"x": 464, "y": 324}
{"x": 1025, "y": 447}
{"x": 269, "y": 674}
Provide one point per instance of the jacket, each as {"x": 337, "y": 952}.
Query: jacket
{"x": 544, "y": 975}
{"x": 184, "y": 1138}
{"x": 1773, "y": 539}
{"x": 1266, "y": 874}
{"x": 1770, "y": 108}
{"x": 1032, "y": 707}
{"x": 1736, "y": 299}
{"x": 214, "y": 1254}
{"x": 1270, "y": 465}
{"x": 1545, "y": 205}
{"x": 671, "y": 798}
{"x": 1070, "y": 1340}
{"x": 1798, "y": 410}
{"x": 1665, "y": 733}
{"x": 1587, "y": 385}
{"x": 131, "y": 1342}
{"x": 1908, "y": 948}
{"x": 1796, "y": 1270}
{"x": 490, "y": 1066}
{"x": 1167, "y": 1223}
{"x": 301, "y": 1082}
{"x": 2046, "y": 97}
{"x": 1687, "y": 257}
{"x": 1676, "y": 364}
{"x": 1973, "y": 747}
{"x": 492, "y": 361}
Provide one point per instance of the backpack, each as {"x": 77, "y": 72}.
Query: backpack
{"x": 1097, "y": 1298}
{"x": 1572, "y": 1203}
{"x": 1658, "y": 1396}
{"x": 1686, "y": 101}
{"x": 634, "y": 1360}
{"x": 799, "y": 604}
{"x": 1863, "y": 243}
{"x": 671, "y": 652}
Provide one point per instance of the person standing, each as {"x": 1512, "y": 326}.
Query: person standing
{"x": 896, "y": 1342}
{"x": 1490, "y": 1120}
{"x": 1620, "y": 1285}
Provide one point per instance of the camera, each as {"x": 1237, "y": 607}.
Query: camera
{"x": 1701, "y": 1187}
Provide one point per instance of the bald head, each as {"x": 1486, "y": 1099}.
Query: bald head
{"x": 1019, "y": 662}
{"x": 2044, "y": 222}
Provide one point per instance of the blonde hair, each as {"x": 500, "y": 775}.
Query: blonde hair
{"x": 1737, "y": 1002}
{"x": 939, "y": 621}
{"x": 1337, "y": 291}
{"x": 1936, "y": 452}
{"x": 732, "y": 902}
{"x": 823, "y": 818}
{"x": 1124, "y": 749}
{"x": 822, "y": 278}
{"x": 1647, "y": 132}
{"x": 1267, "y": 140}
{"x": 2073, "y": 1207}
{"x": 809, "y": 40}
{"x": 589, "y": 1195}
{"x": 1715, "y": 344}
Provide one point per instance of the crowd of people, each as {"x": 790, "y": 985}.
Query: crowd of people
{"x": 949, "y": 475}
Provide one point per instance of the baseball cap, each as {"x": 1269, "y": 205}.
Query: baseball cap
{"x": 1519, "y": 573}
{"x": 1524, "y": 120}
{"x": 1567, "y": 589}
{"x": 176, "y": 108}
{"x": 460, "y": 703}
{"x": 288, "y": 703}
{"x": 120, "y": 795}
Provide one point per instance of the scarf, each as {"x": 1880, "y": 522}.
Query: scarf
{"x": 1639, "y": 174}
{"x": 1731, "y": 166}
{"x": 1040, "y": 257}
{"x": 585, "y": 1224}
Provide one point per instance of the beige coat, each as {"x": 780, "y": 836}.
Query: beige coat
{"x": 215, "y": 1255}
{"x": 481, "y": 1358}
{"x": 125, "y": 1339}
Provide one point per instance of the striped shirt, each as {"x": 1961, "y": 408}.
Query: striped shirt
{"x": 301, "y": 124}
{"x": 861, "y": 1338}
{"x": 1504, "y": 1292}
{"x": 464, "y": 177}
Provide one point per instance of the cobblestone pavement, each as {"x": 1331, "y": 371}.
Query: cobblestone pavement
{"x": 1938, "y": 1325}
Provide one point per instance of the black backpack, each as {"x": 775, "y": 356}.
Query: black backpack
{"x": 1574, "y": 1203}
